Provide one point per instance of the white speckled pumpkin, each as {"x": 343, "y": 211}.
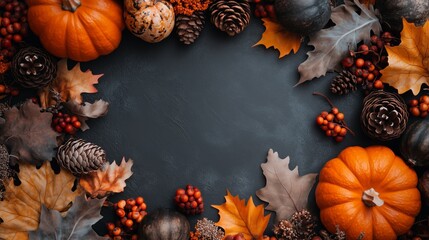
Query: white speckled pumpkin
{"x": 150, "y": 20}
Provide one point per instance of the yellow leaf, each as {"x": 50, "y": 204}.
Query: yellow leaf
{"x": 409, "y": 62}
{"x": 20, "y": 209}
{"x": 276, "y": 36}
{"x": 237, "y": 217}
{"x": 111, "y": 178}
{"x": 70, "y": 84}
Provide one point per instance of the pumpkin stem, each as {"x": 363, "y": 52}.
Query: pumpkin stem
{"x": 371, "y": 199}
{"x": 70, "y": 5}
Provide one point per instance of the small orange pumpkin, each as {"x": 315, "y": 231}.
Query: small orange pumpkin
{"x": 370, "y": 191}
{"x": 81, "y": 30}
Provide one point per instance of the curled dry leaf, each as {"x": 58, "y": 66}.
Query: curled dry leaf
{"x": 286, "y": 191}
{"x": 77, "y": 223}
{"x": 70, "y": 84}
{"x": 409, "y": 62}
{"x": 28, "y": 134}
{"x": 238, "y": 217}
{"x": 111, "y": 178}
{"x": 87, "y": 110}
{"x": 21, "y": 207}
{"x": 276, "y": 36}
{"x": 332, "y": 44}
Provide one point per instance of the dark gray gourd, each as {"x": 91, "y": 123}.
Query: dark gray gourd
{"x": 415, "y": 143}
{"x": 415, "y": 11}
{"x": 164, "y": 224}
{"x": 303, "y": 16}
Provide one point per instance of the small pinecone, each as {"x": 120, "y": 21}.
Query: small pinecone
{"x": 344, "y": 83}
{"x": 33, "y": 68}
{"x": 285, "y": 230}
{"x": 80, "y": 157}
{"x": 188, "y": 28}
{"x": 304, "y": 224}
{"x": 189, "y": 200}
{"x": 384, "y": 115}
{"x": 230, "y": 16}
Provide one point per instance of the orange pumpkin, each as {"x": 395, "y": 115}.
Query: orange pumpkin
{"x": 81, "y": 30}
{"x": 370, "y": 191}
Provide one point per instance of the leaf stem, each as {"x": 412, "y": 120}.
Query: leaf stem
{"x": 325, "y": 97}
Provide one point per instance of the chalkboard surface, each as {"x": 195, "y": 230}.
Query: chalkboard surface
{"x": 208, "y": 113}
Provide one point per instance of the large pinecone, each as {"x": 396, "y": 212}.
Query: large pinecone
{"x": 301, "y": 226}
{"x": 344, "y": 83}
{"x": 80, "y": 157}
{"x": 384, "y": 115}
{"x": 33, "y": 68}
{"x": 188, "y": 28}
{"x": 230, "y": 16}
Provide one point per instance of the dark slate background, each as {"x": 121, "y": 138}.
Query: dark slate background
{"x": 206, "y": 115}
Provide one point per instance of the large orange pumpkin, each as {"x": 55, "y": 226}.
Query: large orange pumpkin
{"x": 370, "y": 191}
{"x": 81, "y": 30}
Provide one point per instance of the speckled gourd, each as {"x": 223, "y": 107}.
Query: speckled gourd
{"x": 150, "y": 20}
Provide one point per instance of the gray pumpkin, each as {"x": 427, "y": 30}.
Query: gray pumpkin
{"x": 415, "y": 143}
{"x": 164, "y": 224}
{"x": 415, "y": 11}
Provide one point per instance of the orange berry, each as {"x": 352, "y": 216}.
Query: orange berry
{"x": 339, "y": 139}
{"x": 319, "y": 120}
{"x": 184, "y": 198}
{"x": 325, "y": 122}
{"x": 190, "y": 192}
{"x": 330, "y": 117}
{"x": 340, "y": 116}
{"x": 335, "y": 111}
{"x": 135, "y": 215}
{"x": 2, "y": 88}
{"x": 423, "y": 107}
{"x": 139, "y": 200}
{"x": 117, "y": 231}
{"x": 121, "y": 204}
{"x": 74, "y": 118}
{"x": 14, "y": 92}
{"x": 324, "y": 128}
{"x": 370, "y": 77}
{"x": 414, "y": 103}
{"x": 140, "y": 218}
{"x": 129, "y": 223}
{"x": 194, "y": 204}
{"x": 120, "y": 212}
{"x": 378, "y": 84}
{"x": 337, "y": 129}
{"x": 123, "y": 220}
{"x": 77, "y": 124}
{"x": 130, "y": 215}
{"x": 143, "y": 206}
{"x": 324, "y": 114}
{"x": 415, "y": 111}
{"x": 371, "y": 67}
{"x": 343, "y": 132}
{"x": 110, "y": 226}
{"x": 331, "y": 125}
{"x": 328, "y": 133}
{"x": 197, "y": 194}
{"x": 359, "y": 62}
{"x": 424, "y": 99}
{"x": 423, "y": 114}
{"x": 131, "y": 202}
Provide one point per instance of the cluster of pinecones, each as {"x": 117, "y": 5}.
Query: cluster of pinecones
{"x": 230, "y": 16}
{"x": 301, "y": 226}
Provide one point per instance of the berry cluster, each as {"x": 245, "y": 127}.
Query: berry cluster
{"x": 13, "y": 25}
{"x": 130, "y": 213}
{"x": 264, "y": 10}
{"x": 332, "y": 123}
{"x": 63, "y": 122}
{"x": 189, "y": 200}
{"x": 7, "y": 90}
{"x": 367, "y": 62}
{"x": 419, "y": 107}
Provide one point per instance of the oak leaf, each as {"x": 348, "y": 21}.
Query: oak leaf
{"x": 28, "y": 134}
{"x": 285, "y": 191}
{"x": 87, "y": 110}
{"x": 276, "y": 36}
{"x": 238, "y": 217}
{"x": 332, "y": 44}
{"x": 21, "y": 207}
{"x": 77, "y": 223}
{"x": 109, "y": 179}
{"x": 409, "y": 62}
{"x": 69, "y": 83}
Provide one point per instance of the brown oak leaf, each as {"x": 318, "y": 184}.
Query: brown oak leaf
{"x": 238, "y": 217}
{"x": 28, "y": 134}
{"x": 409, "y": 62}
{"x": 70, "y": 84}
{"x": 285, "y": 191}
{"x": 77, "y": 223}
{"x": 87, "y": 110}
{"x": 21, "y": 207}
{"x": 109, "y": 179}
{"x": 276, "y": 36}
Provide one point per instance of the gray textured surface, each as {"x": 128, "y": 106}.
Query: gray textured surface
{"x": 206, "y": 115}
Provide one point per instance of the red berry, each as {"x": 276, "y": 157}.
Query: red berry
{"x": 58, "y": 129}
{"x": 184, "y": 198}
{"x": 6, "y": 43}
{"x": 364, "y": 49}
{"x": 131, "y": 202}
{"x": 17, "y": 27}
{"x": 117, "y": 231}
{"x": 135, "y": 215}
{"x": 424, "y": 99}
{"x": 120, "y": 212}
{"x": 347, "y": 62}
{"x": 139, "y": 200}
{"x": 5, "y": 22}
{"x": 17, "y": 38}
{"x": 74, "y": 118}
{"x": 62, "y": 124}
{"x": 9, "y": 28}
{"x": 360, "y": 62}
{"x": 129, "y": 223}
{"x": 77, "y": 124}
{"x": 378, "y": 84}
{"x": 3, "y": 31}
{"x": 143, "y": 206}
{"x": 110, "y": 226}
{"x": 319, "y": 120}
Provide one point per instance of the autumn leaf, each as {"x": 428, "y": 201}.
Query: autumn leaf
{"x": 77, "y": 223}
{"x": 276, "y": 36}
{"x": 70, "y": 84}
{"x": 332, "y": 44}
{"x": 21, "y": 207}
{"x": 87, "y": 110}
{"x": 285, "y": 191}
{"x": 409, "y": 62}
{"x": 28, "y": 134}
{"x": 238, "y": 217}
{"x": 111, "y": 178}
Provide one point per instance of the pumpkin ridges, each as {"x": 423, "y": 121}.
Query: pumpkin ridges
{"x": 400, "y": 220}
{"x": 339, "y": 215}
{"x": 337, "y": 172}
{"x": 403, "y": 202}
{"x": 381, "y": 227}
{"x": 58, "y": 33}
{"x": 399, "y": 177}
{"x": 377, "y": 156}
{"x": 43, "y": 19}
{"x": 330, "y": 198}
{"x": 357, "y": 160}
{"x": 78, "y": 38}
{"x": 113, "y": 11}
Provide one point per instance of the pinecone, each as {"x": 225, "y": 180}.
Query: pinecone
{"x": 304, "y": 224}
{"x": 188, "y": 28}
{"x": 5, "y": 170}
{"x": 33, "y": 68}
{"x": 230, "y": 16}
{"x": 284, "y": 230}
{"x": 80, "y": 157}
{"x": 344, "y": 83}
{"x": 384, "y": 115}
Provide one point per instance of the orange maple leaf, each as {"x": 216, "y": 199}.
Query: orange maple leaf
{"x": 111, "y": 178}
{"x": 368, "y": 2}
{"x": 409, "y": 62}
{"x": 70, "y": 84}
{"x": 237, "y": 217}
{"x": 276, "y": 36}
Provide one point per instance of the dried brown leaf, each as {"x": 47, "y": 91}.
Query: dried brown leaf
{"x": 87, "y": 110}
